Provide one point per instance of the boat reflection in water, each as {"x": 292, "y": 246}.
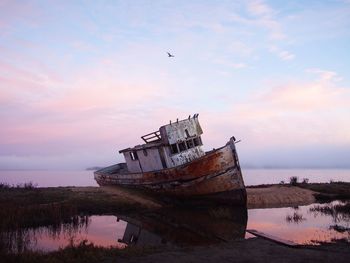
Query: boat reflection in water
{"x": 173, "y": 226}
{"x": 186, "y": 227}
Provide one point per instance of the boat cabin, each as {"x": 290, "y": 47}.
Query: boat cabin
{"x": 173, "y": 144}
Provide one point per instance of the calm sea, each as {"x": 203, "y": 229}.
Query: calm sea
{"x": 251, "y": 176}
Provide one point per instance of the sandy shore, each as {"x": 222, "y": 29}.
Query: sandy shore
{"x": 279, "y": 196}
{"x": 263, "y": 197}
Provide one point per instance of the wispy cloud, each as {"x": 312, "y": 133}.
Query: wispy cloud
{"x": 265, "y": 17}
{"x": 282, "y": 54}
{"x": 325, "y": 75}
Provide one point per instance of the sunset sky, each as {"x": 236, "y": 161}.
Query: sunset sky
{"x": 80, "y": 80}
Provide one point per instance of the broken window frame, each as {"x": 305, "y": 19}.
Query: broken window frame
{"x": 190, "y": 143}
{"x": 179, "y": 147}
{"x": 182, "y": 146}
{"x": 197, "y": 141}
{"x": 174, "y": 149}
{"x": 133, "y": 156}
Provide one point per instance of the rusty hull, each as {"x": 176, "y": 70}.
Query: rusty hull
{"x": 213, "y": 174}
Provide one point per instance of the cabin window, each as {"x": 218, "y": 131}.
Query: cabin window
{"x": 190, "y": 144}
{"x": 187, "y": 134}
{"x": 173, "y": 148}
{"x": 197, "y": 141}
{"x": 145, "y": 153}
{"x": 182, "y": 146}
{"x": 133, "y": 156}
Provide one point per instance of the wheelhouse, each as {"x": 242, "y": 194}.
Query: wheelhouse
{"x": 173, "y": 144}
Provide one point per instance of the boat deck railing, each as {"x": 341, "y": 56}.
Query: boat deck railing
{"x": 151, "y": 137}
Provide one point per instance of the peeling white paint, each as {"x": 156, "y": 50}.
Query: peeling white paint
{"x": 149, "y": 157}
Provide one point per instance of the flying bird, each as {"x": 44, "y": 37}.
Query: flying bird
{"x": 170, "y": 55}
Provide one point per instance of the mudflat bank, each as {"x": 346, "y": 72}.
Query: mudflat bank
{"x": 275, "y": 196}
{"x": 285, "y": 195}
{"x": 263, "y": 196}
{"x": 36, "y": 207}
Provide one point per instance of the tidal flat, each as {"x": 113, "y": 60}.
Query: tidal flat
{"x": 151, "y": 230}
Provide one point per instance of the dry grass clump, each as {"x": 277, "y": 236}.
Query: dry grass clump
{"x": 83, "y": 251}
{"x": 339, "y": 211}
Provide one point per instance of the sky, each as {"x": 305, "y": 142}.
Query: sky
{"x": 80, "y": 80}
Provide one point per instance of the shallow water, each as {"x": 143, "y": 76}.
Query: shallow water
{"x": 180, "y": 227}
{"x": 250, "y": 176}
{"x": 301, "y": 225}
{"x": 100, "y": 230}
{"x": 310, "y": 224}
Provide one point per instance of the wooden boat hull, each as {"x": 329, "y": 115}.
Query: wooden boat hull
{"x": 216, "y": 175}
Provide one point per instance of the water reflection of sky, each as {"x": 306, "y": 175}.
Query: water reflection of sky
{"x": 307, "y": 226}
{"x": 100, "y": 230}
{"x": 301, "y": 224}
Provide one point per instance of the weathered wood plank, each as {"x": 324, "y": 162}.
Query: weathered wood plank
{"x": 272, "y": 238}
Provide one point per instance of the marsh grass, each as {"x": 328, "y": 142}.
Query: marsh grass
{"x": 329, "y": 191}
{"x": 339, "y": 212}
{"x": 293, "y": 180}
{"x": 35, "y": 205}
{"x": 83, "y": 251}
{"x": 26, "y": 207}
{"x": 25, "y": 210}
{"x": 340, "y": 229}
{"x": 27, "y": 186}
{"x": 22, "y": 239}
{"x": 295, "y": 218}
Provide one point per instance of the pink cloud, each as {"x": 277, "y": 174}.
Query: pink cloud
{"x": 96, "y": 107}
{"x": 321, "y": 94}
{"x": 26, "y": 81}
{"x": 313, "y": 112}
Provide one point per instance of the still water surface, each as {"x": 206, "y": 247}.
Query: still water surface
{"x": 250, "y": 176}
{"x": 304, "y": 225}
{"x": 100, "y": 230}
{"x": 310, "y": 224}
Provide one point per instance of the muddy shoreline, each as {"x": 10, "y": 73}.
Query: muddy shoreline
{"x": 41, "y": 206}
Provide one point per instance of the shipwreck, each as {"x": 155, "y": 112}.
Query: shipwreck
{"x": 172, "y": 162}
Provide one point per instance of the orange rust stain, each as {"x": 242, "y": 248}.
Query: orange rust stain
{"x": 197, "y": 168}
{"x": 204, "y": 166}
